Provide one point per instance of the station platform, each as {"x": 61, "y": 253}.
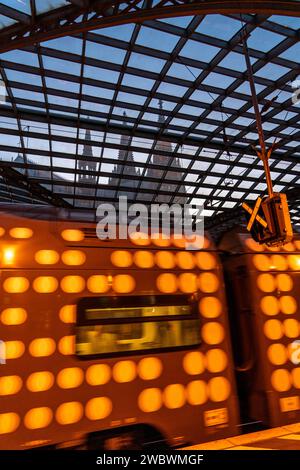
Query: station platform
{"x": 281, "y": 438}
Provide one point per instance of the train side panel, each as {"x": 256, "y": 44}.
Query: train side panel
{"x": 52, "y": 391}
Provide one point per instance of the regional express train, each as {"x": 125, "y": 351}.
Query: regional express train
{"x": 127, "y": 343}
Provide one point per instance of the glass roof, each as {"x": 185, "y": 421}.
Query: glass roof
{"x": 160, "y": 111}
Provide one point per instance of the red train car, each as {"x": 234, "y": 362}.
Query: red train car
{"x": 119, "y": 343}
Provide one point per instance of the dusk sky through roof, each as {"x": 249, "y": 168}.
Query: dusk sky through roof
{"x": 195, "y": 65}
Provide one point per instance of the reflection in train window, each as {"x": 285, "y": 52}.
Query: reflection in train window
{"x": 142, "y": 323}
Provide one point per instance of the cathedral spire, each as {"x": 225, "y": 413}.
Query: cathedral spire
{"x": 161, "y": 117}
{"x": 87, "y": 148}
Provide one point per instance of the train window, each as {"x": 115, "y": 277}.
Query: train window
{"x": 132, "y": 324}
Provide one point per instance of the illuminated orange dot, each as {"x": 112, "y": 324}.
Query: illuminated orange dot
{"x": 278, "y": 262}
{"x": 150, "y": 400}
{"x": 72, "y": 284}
{"x": 288, "y": 304}
{"x": 72, "y": 235}
{"x": 291, "y": 328}
{"x": 73, "y": 257}
{"x": 2, "y": 231}
{"x": 10, "y": 385}
{"x": 140, "y": 238}
{"x": 38, "y": 418}
{"x": 71, "y": 377}
{"x": 46, "y": 257}
{"x": 296, "y": 377}
{"x": 121, "y": 259}
{"x": 284, "y": 282}
{"x": 266, "y": 282}
{"x": 196, "y": 392}
{"x": 21, "y": 232}
{"x": 269, "y": 305}
{"x": 206, "y": 261}
{"x": 8, "y": 256}
{"x": 150, "y": 368}
{"x": 216, "y": 360}
{"x": 69, "y": 413}
{"x": 253, "y": 245}
{"x": 16, "y": 285}
{"x": 219, "y": 389}
{"x": 165, "y": 260}
{"x": 185, "y": 260}
{"x": 294, "y": 262}
{"x": 210, "y": 307}
{"x": 98, "y": 284}
{"x": 67, "y": 314}
{"x": 208, "y": 282}
{"x": 40, "y": 381}
{"x": 281, "y": 380}
{"x": 14, "y": 349}
{"x": 213, "y": 333}
{"x": 273, "y": 329}
{"x": 9, "y": 422}
{"x": 13, "y": 316}
{"x": 124, "y": 371}
{"x": 143, "y": 259}
{"x": 98, "y": 374}
{"x": 98, "y": 408}
{"x": 277, "y": 354}
{"x": 66, "y": 345}
{"x": 194, "y": 363}
{"x": 174, "y": 396}
{"x": 261, "y": 262}
{"x": 178, "y": 240}
{"x": 42, "y": 347}
{"x": 289, "y": 247}
{"x": 123, "y": 283}
{"x": 166, "y": 283}
{"x": 161, "y": 239}
{"x": 273, "y": 248}
{"x": 45, "y": 284}
{"x": 187, "y": 283}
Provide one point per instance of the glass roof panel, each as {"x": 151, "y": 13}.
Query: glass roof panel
{"x": 103, "y": 52}
{"x": 219, "y": 26}
{"x": 272, "y": 70}
{"x": 144, "y": 62}
{"x": 67, "y": 44}
{"x": 234, "y": 61}
{"x": 6, "y": 21}
{"x": 292, "y": 53}
{"x": 263, "y": 40}
{"x": 46, "y": 5}
{"x": 218, "y": 80}
{"x": 122, "y": 32}
{"x": 199, "y": 51}
{"x": 156, "y": 39}
{"x": 288, "y": 21}
{"x": 20, "y": 5}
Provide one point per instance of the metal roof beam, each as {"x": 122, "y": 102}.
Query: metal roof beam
{"x": 61, "y": 21}
{"x": 15, "y": 14}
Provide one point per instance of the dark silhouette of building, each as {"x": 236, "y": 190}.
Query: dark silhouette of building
{"x": 124, "y": 176}
{"x": 171, "y": 170}
{"x": 125, "y": 179}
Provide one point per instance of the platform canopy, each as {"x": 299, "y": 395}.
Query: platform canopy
{"x": 101, "y": 99}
